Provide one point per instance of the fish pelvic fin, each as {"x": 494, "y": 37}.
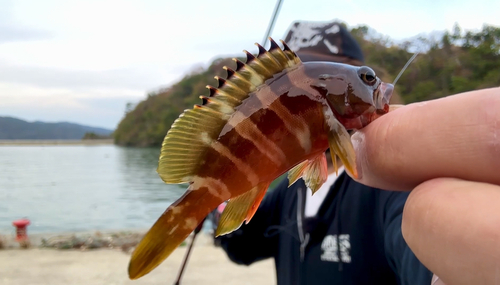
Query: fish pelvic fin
{"x": 240, "y": 209}
{"x": 171, "y": 229}
{"x": 186, "y": 142}
{"x": 314, "y": 171}
{"x": 340, "y": 144}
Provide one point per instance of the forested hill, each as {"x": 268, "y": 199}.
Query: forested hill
{"x": 17, "y": 129}
{"x": 455, "y": 62}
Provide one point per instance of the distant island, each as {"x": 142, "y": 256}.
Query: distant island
{"x": 17, "y": 129}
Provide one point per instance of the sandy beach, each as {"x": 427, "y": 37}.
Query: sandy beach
{"x": 207, "y": 265}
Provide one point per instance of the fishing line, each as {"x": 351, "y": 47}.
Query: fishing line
{"x": 404, "y": 68}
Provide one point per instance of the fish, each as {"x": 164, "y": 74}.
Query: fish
{"x": 271, "y": 115}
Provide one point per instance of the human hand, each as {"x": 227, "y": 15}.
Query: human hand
{"x": 448, "y": 152}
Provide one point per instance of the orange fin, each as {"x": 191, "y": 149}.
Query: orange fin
{"x": 334, "y": 162}
{"x": 341, "y": 146}
{"x": 171, "y": 229}
{"x": 296, "y": 172}
{"x": 240, "y": 209}
{"x": 314, "y": 172}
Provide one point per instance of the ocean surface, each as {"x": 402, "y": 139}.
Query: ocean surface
{"x": 73, "y": 188}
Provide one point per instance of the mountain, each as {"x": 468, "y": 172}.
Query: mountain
{"x": 17, "y": 129}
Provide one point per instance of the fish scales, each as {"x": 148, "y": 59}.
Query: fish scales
{"x": 241, "y": 140}
{"x": 276, "y": 131}
{"x": 272, "y": 114}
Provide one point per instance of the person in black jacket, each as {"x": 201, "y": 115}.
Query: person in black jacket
{"x": 346, "y": 233}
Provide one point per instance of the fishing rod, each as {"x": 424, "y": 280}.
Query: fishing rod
{"x": 186, "y": 257}
{"x": 272, "y": 22}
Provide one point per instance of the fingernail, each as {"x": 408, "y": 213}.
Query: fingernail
{"x": 358, "y": 142}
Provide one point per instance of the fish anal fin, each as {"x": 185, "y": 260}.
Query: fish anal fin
{"x": 240, "y": 209}
{"x": 256, "y": 203}
{"x": 340, "y": 144}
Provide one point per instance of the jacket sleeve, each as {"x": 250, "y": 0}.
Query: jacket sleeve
{"x": 409, "y": 269}
{"x": 253, "y": 241}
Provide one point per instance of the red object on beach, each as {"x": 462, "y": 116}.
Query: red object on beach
{"x": 21, "y": 232}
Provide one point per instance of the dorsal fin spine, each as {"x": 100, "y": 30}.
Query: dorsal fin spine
{"x": 250, "y": 57}
{"x": 278, "y": 54}
{"x": 268, "y": 60}
{"x": 248, "y": 72}
{"x": 230, "y": 72}
{"x": 274, "y": 45}
{"x": 240, "y": 80}
{"x": 231, "y": 87}
{"x": 236, "y": 74}
{"x": 239, "y": 64}
{"x": 292, "y": 56}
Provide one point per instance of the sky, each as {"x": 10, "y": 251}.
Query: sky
{"x": 83, "y": 61}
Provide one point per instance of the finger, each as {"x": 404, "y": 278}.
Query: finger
{"x": 457, "y": 136}
{"x": 452, "y": 226}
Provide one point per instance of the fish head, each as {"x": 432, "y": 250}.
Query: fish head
{"x": 355, "y": 94}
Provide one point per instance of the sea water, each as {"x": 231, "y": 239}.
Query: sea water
{"x": 72, "y": 188}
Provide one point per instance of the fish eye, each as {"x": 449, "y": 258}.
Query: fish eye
{"x": 367, "y": 75}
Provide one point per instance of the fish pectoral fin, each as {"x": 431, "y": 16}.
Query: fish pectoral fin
{"x": 314, "y": 171}
{"x": 340, "y": 144}
{"x": 240, "y": 209}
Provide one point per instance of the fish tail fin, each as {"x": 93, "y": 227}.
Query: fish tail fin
{"x": 171, "y": 229}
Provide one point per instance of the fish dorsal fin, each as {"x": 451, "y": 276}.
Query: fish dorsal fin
{"x": 185, "y": 143}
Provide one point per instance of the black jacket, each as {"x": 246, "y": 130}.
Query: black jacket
{"x": 364, "y": 221}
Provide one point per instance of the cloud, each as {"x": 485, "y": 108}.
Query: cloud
{"x": 17, "y": 34}
{"x": 138, "y": 78}
{"x": 10, "y": 31}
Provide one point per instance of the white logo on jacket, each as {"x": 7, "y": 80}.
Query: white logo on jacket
{"x": 330, "y": 248}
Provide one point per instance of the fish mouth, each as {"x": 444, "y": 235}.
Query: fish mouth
{"x": 385, "y": 95}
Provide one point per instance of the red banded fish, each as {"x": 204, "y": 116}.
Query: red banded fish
{"x": 271, "y": 115}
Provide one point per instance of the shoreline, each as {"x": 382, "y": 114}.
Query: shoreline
{"x": 56, "y": 142}
{"x": 207, "y": 264}
{"x": 94, "y": 239}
